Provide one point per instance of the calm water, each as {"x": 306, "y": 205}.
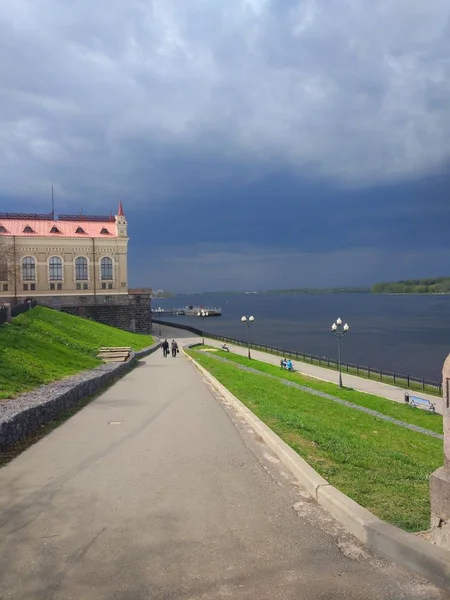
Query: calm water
{"x": 409, "y": 334}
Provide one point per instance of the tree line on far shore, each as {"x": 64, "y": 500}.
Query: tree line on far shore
{"x": 436, "y": 285}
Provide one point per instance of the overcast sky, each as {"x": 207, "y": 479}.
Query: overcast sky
{"x": 254, "y": 143}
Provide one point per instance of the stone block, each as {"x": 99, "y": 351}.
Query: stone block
{"x": 440, "y": 506}
{"x": 440, "y": 479}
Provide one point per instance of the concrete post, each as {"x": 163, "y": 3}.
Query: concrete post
{"x": 440, "y": 479}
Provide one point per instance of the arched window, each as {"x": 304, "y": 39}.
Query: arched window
{"x": 28, "y": 268}
{"x": 81, "y": 269}
{"x": 106, "y": 269}
{"x": 55, "y": 268}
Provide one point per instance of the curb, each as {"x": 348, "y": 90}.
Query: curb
{"x": 424, "y": 558}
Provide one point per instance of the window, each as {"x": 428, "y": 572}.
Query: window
{"x": 106, "y": 268}
{"x": 54, "y": 229}
{"x": 52, "y": 286}
{"x": 33, "y": 287}
{"x": 79, "y": 230}
{"x": 110, "y": 286}
{"x": 104, "y": 230}
{"x": 103, "y": 286}
{"x": 27, "y": 229}
{"x": 25, "y": 287}
{"x": 5, "y": 287}
{"x": 2, "y": 229}
{"x": 85, "y": 286}
{"x": 28, "y": 269}
{"x": 78, "y": 286}
{"x": 59, "y": 286}
{"x": 55, "y": 268}
{"x": 81, "y": 269}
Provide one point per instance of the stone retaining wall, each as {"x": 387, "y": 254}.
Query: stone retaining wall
{"x": 28, "y": 412}
{"x": 132, "y": 316}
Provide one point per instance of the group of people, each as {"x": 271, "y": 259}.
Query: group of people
{"x": 173, "y": 346}
{"x": 286, "y": 363}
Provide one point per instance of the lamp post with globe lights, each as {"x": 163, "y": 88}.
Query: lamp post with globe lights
{"x": 339, "y": 331}
{"x": 160, "y": 310}
{"x": 248, "y": 321}
{"x": 203, "y": 313}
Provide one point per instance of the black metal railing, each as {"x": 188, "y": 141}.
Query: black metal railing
{"x": 407, "y": 381}
{"x": 16, "y": 310}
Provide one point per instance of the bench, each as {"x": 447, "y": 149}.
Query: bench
{"x": 423, "y": 402}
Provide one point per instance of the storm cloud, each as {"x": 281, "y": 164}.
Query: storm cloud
{"x": 239, "y": 132}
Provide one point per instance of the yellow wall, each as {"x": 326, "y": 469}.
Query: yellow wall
{"x": 68, "y": 249}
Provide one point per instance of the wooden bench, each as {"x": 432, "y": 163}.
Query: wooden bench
{"x": 111, "y": 354}
{"x": 421, "y": 402}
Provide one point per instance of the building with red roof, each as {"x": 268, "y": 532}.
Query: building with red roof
{"x": 67, "y": 261}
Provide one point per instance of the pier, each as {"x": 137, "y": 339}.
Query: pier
{"x": 191, "y": 311}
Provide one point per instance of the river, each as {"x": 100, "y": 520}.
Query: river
{"x": 408, "y": 334}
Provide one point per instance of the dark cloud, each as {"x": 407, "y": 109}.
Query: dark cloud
{"x": 246, "y": 130}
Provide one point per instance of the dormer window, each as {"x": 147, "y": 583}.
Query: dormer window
{"x": 27, "y": 229}
{"x": 79, "y": 230}
{"x": 104, "y": 230}
{"x": 54, "y": 229}
{"x": 2, "y": 229}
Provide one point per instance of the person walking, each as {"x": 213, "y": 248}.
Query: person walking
{"x": 165, "y": 347}
{"x": 174, "y": 348}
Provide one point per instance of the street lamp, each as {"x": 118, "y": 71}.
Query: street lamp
{"x": 160, "y": 310}
{"x": 203, "y": 314}
{"x": 339, "y": 331}
{"x": 248, "y": 320}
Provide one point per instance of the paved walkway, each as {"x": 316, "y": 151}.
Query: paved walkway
{"x": 153, "y": 492}
{"x": 369, "y": 386}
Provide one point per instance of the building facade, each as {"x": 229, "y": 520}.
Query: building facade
{"x": 71, "y": 260}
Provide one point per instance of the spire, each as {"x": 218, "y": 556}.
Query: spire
{"x": 120, "y": 213}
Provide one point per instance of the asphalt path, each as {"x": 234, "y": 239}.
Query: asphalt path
{"x": 157, "y": 490}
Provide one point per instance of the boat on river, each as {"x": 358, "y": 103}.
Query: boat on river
{"x": 192, "y": 311}
{"x": 207, "y": 311}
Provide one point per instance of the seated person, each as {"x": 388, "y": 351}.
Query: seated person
{"x": 225, "y": 348}
{"x": 289, "y": 365}
{"x": 283, "y": 363}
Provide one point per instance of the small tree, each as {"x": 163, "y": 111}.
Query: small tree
{"x": 9, "y": 265}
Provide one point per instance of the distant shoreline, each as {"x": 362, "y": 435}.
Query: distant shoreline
{"x": 410, "y": 293}
{"x": 308, "y": 292}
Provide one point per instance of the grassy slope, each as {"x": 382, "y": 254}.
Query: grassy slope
{"x": 383, "y": 467}
{"x": 43, "y": 345}
{"x": 399, "y": 411}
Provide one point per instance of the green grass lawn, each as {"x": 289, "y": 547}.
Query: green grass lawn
{"x": 402, "y": 412}
{"x": 43, "y": 345}
{"x": 382, "y": 466}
